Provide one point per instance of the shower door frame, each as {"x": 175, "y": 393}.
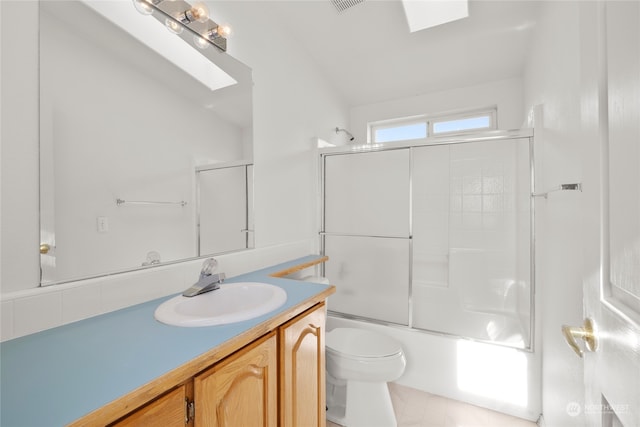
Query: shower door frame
{"x": 497, "y": 135}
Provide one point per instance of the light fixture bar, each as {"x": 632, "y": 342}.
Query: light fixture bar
{"x": 194, "y": 18}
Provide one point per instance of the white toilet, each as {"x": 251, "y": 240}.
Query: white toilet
{"x": 359, "y": 365}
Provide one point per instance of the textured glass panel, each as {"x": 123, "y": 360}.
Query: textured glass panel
{"x": 368, "y": 193}
{"x": 431, "y": 194}
{"x": 223, "y": 210}
{"x": 471, "y": 255}
{"x": 371, "y": 276}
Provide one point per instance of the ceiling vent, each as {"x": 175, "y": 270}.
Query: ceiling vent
{"x": 343, "y": 5}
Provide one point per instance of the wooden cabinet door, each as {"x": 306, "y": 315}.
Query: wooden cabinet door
{"x": 302, "y": 370}
{"x": 242, "y": 390}
{"x": 167, "y": 411}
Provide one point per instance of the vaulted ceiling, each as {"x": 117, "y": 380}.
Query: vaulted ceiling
{"x": 369, "y": 55}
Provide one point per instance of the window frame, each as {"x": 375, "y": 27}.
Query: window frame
{"x": 491, "y": 113}
{"x": 430, "y": 121}
{"x": 397, "y": 123}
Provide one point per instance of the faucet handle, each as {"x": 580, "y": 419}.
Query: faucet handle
{"x": 208, "y": 267}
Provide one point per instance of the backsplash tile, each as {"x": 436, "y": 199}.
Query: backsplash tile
{"x": 37, "y": 313}
{"x": 6, "y": 320}
{"x": 81, "y": 302}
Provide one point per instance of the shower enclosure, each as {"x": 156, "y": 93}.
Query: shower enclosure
{"x": 434, "y": 236}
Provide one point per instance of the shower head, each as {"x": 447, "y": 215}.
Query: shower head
{"x": 351, "y": 137}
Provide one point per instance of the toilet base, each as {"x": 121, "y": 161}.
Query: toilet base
{"x": 368, "y": 404}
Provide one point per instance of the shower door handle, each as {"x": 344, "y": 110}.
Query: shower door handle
{"x": 586, "y": 333}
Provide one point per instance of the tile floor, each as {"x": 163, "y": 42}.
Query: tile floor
{"x": 416, "y": 408}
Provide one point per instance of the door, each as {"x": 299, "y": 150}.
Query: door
{"x": 242, "y": 390}
{"x": 367, "y": 223}
{"x": 302, "y": 370}
{"x": 612, "y": 214}
{"x": 167, "y": 411}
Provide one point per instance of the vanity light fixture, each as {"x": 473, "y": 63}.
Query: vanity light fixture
{"x": 178, "y": 15}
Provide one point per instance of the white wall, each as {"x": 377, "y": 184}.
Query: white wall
{"x": 506, "y": 95}
{"x": 552, "y": 80}
{"x": 292, "y": 105}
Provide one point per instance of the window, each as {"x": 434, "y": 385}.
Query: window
{"x": 460, "y": 124}
{"x": 404, "y": 129}
{"x": 399, "y": 131}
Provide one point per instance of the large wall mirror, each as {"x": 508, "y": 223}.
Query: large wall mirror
{"x": 125, "y": 133}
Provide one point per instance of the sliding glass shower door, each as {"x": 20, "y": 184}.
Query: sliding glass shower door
{"x": 367, "y": 233}
{"x": 434, "y": 237}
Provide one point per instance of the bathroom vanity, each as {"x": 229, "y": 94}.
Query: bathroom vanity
{"x": 125, "y": 368}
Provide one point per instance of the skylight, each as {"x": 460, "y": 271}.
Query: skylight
{"x": 423, "y": 14}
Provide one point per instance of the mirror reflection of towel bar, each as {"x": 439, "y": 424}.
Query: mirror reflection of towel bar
{"x": 561, "y": 187}
{"x": 144, "y": 202}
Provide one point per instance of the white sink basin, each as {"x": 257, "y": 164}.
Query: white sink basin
{"x": 233, "y": 302}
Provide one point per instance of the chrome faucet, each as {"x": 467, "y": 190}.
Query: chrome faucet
{"x": 208, "y": 281}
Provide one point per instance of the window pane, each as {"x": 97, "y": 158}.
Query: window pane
{"x": 482, "y": 122}
{"x": 400, "y": 133}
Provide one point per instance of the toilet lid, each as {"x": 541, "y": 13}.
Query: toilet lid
{"x": 361, "y": 343}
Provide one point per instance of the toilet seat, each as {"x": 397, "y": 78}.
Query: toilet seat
{"x": 359, "y": 343}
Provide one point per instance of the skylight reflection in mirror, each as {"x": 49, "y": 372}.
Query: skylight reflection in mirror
{"x": 422, "y": 14}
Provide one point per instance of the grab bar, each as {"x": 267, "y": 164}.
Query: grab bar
{"x": 148, "y": 202}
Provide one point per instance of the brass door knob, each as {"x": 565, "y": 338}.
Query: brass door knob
{"x": 44, "y": 248}
{"x": 586, "y": 333}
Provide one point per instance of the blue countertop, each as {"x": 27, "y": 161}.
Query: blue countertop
{"x": 56, "y": 376}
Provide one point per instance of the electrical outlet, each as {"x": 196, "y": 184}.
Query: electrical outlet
{"x": 102, "y": 224}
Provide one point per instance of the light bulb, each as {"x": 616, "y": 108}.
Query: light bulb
{"x": 224, "y": 30}
{"x": 143, "y": 7}
{"x": 200, "y": 12}
{"x": 219, "y": 31}
{"x": 200, "y": 42}
{"x": 173, "y": 26}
